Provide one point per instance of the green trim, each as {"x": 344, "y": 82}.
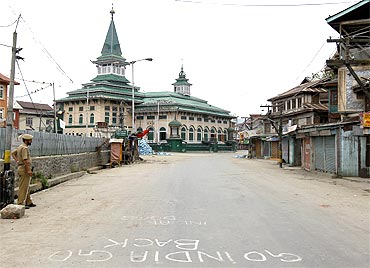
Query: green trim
{"x": 346, "y": 11}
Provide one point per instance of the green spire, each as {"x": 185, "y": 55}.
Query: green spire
{"x": 111, "y": 44}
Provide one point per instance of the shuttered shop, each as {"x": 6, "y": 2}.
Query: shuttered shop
{"x": 325, "y": 154}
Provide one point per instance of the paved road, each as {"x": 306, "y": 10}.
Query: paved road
{"x": 193, "y": 210}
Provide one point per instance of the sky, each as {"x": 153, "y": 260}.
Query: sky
{"x": 235, "y": 55}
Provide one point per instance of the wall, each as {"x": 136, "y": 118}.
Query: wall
{"x": 64, "y": 164}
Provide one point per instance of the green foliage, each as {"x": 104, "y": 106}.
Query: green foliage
{"x": 39, "y": 177}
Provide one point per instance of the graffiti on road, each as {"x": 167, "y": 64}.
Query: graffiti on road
{"x": 146, "y": 250}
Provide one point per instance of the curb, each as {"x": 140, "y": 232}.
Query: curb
{"x": 58, "y": 180}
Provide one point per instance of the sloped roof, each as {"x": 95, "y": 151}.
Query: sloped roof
{"x": 34, "y": 108}
{"x": 183, "y": 102}
{"x": 359, "y": 11}
{"x": 6, "y": 80}
{"x": 308, "y": 87}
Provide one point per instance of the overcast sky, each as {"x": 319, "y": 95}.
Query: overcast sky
{"x": 235, "y": 55}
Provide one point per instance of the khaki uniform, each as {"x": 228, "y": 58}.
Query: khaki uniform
{"x": 23, "y": 153}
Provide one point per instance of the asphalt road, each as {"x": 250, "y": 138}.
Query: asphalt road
{"x": 193, "y": 210}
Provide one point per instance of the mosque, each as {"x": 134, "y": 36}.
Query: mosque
{"x": 110, "y": 102}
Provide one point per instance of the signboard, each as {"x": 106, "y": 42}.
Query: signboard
{"x": 366, "y": 119}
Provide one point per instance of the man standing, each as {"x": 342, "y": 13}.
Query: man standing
{"x": 23, "y": 158}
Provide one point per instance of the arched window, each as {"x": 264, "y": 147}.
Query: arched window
{"x": 225, "y": 135}
{"x": 70, "y": 119}
{"x": 213, "y": 135}
{"x": 92, "y": 118}
{"x": 139, "y": 129}
{"x": 191, "y": 134}
{"x": 151, "y": 134}
{"x": 199, "y": 134}
{"x": 81, "y": 119}
{"x": 219, "y": 132}
{"x": 183, "y": 133}
{"x": 206, "y": 135}
{"x": 162, "y": 134}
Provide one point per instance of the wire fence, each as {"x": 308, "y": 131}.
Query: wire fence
{"x": 44, "y": 143}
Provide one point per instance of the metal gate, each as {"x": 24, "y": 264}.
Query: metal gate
{"x": 325, "y": 154}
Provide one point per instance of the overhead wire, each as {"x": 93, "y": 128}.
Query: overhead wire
{"x": 28, "y": 93}
{"x": 264, "y": 5}
{"x": 42, "y": 47}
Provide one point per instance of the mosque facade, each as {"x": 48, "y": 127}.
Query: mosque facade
{"x": 105, "y": 104}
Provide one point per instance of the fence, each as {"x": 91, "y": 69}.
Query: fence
{"x": 44, "y": 143}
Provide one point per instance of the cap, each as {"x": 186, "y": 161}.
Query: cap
{"x": 27, "y": 137}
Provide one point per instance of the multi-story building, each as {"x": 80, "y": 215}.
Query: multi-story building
{"x": 106, "y": 104}
{"x": 4, "y": 83}
{"x": 34, "y": 116}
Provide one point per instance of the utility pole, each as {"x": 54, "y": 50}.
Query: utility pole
{"x": 9, "y": 118}
{"x": 7, "y": 176}
{"x": 279, "y": 129}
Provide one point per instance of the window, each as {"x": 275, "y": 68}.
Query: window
{"x": 29, "y": 121}
{"x": 267, "y": 127}
{"x": 191, "y": 134}
{"x": 199, "y": 119}
{"x": 213, "y": 121}
{"x": 115, "y": 108}
{"x": 2, "y": 92}
{"x": 333, "y": 97}
{"x": 92, "y": 118}
{"x": 80, "y": 109}
{"x": 114, "y": 118}
{"x": 163, "y": 117}
{"x": 70, "y": 109}
{"x": 1, "y": 113}
{"x": 288, "y": 105}
{"x": 206, "y": 134}
{"x": 191, "y": 118}
{"x": 183, "y": 117}
{"x": 294, "y": 103}
{"x": 107, "y": 108}
{"x": 81, "y": 119}
{"x": 92, "y": 108}
{"x": 308, "y": 120}
{"x": 299, "y": 102}
{"x": 219, "y": 135}
{"x": 151, "y": 134}
{"x": 140, "y": 117}
{"x": 225, "y": 122}
{"x": 150, "y": 117}
{"x": 162, "y": 134}
{"x": 183, "y": 133}
{"x": 199, "y": 134}
{"x": 219, "y": 121}
{"x": 70, "y": 119}
{"x": 106, "y": 117}
{"x": 206, "y": 120}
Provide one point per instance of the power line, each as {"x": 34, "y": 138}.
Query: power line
{"x": 264, "y": 5}
{"x": 4, "y": 26}
{"x": 42, "y": 47}
{"x": 25, "y": 85}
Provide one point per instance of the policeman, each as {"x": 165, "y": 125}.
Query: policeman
{"x": 23, "y": 158}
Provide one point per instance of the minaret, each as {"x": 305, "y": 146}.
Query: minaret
{"x": 182, "y": 86}
{"x": 111, "y": 60}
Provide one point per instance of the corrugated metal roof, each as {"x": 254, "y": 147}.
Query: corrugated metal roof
{"x": 309, "y": 87}
{"x": 34, "y": 106}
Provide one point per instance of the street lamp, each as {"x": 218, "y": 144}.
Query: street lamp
{"x": 133, "y": 91}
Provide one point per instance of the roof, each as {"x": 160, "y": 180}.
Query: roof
{"x": 308, "y": 87}
{"x": 34, "y": 108}
{"x": 184, "y": 103}
{"x": 359, "y": 11}
{"x": 111, "y": 45}
{"x": 6, "y": 80}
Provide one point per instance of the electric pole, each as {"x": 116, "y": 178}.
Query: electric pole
{"x": 279, "y": 129}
